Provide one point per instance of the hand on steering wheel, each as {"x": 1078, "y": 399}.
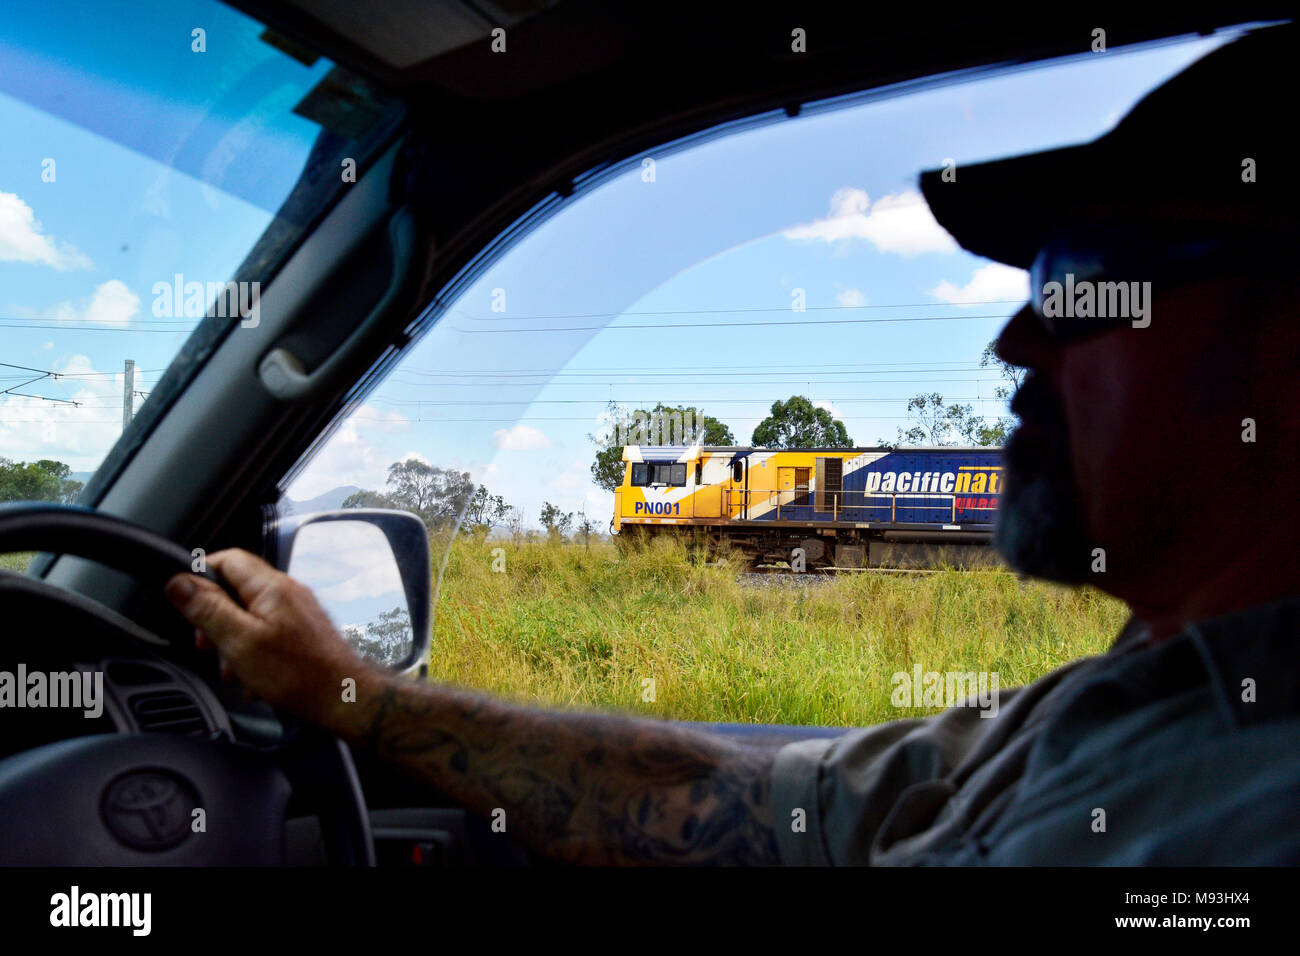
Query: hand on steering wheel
{"x": 88, "y": 800}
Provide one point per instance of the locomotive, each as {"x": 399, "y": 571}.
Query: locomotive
{"x": 843, "y": 507}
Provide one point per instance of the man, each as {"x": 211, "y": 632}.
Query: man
{"x": 1156, "y": 459}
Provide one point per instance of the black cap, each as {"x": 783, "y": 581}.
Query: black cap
{"x": 1176, "y": 158}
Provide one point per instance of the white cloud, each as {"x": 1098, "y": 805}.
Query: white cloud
{"x": 570, "y": 480}
{"x": 112, "y": 304}
{"x": 349, "y": 457}
{"x": 345, "y": 561}
{"x": 851, "y": 297}
{"x": 521, "y": 438}
{"x": 21, "y": 239}
{"x": 79, "y": 435}
{"x": 994, "y": 282}
{"x": 899, "y": 222}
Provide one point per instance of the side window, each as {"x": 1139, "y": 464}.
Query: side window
{"x": 690, "y": 309}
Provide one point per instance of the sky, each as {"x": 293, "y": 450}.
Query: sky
{"x": 672, "y": 281}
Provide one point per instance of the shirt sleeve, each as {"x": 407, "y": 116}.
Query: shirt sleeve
{"x": 839, "y": 801}
{"x": 808, "y": 778}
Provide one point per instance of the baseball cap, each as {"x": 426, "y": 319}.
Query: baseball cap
{"x": 1179, "y": 157}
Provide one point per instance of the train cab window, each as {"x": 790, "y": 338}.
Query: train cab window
{"x": 666, "y": 473}
{"x": 639, "y": 474}
{"x": 738, "y": 471}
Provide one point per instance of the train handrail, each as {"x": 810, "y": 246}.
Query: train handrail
{"x": 748, "y": 499}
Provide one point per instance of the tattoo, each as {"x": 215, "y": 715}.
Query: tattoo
{"x": 586, "y": 788}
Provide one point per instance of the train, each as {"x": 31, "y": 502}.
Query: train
{"x": 816, "y": 507}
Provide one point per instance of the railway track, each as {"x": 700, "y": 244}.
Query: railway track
{"x": 829, "y": 572}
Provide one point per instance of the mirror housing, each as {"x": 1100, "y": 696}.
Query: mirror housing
{"x": 356, "y": 560}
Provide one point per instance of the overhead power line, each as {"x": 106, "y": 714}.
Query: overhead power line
{"x": 731, "y": 311}
{"x": 731, "y": 325}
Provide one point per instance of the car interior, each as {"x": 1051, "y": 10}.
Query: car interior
{"x": 456, "y": 161}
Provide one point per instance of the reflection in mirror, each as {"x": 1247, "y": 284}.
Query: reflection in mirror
{"x": 350, "y": 567}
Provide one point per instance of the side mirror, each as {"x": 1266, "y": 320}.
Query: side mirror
{"x": 370, "y": 570}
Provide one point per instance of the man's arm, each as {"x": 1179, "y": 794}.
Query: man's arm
{"x": 582, "y": 787}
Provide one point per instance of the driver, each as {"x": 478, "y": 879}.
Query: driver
{"x": 1155, "y": 459}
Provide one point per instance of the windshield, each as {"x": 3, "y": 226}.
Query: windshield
{"x": 139, "y": 177}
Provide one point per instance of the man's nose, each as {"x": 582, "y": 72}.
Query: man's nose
{"x": 1024, "y": 342}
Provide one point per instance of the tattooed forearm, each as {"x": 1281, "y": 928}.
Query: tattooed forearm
{"x": 587, "y": 788}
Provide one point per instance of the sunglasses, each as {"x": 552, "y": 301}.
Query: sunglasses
{"x": 1082, "y": 285}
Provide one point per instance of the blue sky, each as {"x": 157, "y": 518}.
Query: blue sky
{"x": 723, "y": 235}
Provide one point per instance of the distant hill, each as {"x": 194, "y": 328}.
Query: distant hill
{"x": 329, "y": 501}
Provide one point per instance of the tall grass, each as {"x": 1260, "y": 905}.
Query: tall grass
{"x": 16, "y": 561}
{"x": 565, "y": 626}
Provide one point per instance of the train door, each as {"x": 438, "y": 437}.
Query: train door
{"x": 785, "y": 488}
{"x": 801, "y": 476}
{"x": 706, "y": 497}
{"x": 738, "y": 490}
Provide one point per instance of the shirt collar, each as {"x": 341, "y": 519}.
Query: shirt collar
{"x": 1252, "y": 661}
{"x": 1250, "y": 656}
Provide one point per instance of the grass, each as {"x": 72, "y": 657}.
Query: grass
{"x": 16, "y": 561}
{"x": 563, "y": 626}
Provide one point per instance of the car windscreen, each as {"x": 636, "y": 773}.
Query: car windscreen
{"x": 146, "y": 183}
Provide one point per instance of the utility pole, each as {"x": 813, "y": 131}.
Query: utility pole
{"x": 128, "y": 392}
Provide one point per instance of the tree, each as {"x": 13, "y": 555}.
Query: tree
{"x": 369, "y": 499}
{"x": 43, "y": 480}
{"x": 485, "y": 511}
{"x": 386, "y": 640}
{"x": 586, "y": 528}
{"x": 607, "y": 470}
{"x": 515, "y": 526}
{"x": 555, "y": 521}
{"x": 437, "y": 495}
{"x": 797, "y": 423}
{"x": 1014, "y": 375}
{"x": 937, "y": 423}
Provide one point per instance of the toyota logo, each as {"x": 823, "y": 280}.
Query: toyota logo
{"x": 149, "y": 809}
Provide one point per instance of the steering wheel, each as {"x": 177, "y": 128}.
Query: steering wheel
{"x": 135, "y": 798}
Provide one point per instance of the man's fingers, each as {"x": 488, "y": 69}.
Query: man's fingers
{"x": 248, "y": 574}
{"x": 208, "y": 608}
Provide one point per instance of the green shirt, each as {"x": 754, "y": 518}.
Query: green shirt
{"x": 1182, "y": 753}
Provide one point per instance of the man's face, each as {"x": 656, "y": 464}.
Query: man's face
{"x": 1123, "y": 439}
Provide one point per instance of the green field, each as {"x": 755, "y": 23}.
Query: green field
{"x": 570, "y": 627}
{"x": 565, "y": 626}
{"x": 16, "y": 561}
